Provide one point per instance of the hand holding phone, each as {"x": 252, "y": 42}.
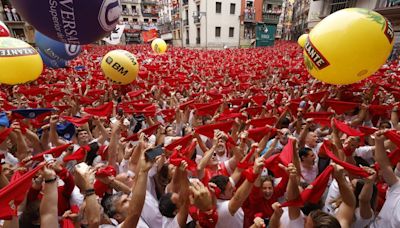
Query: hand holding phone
{"x": 153, "y": 153}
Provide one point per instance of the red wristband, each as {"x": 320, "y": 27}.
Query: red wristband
{"x": 208, "y": 219}
{"x": 250, "y": 175}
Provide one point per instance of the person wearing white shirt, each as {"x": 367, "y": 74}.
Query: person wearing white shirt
{"x": 229, "y": 202}
{"x": 389, "y": 216}
{"x": 309, "y": 168}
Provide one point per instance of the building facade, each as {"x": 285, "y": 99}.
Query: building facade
{"x": 138, "y": 16}
{"x": 17, "y": 26}
{"x": 206, "y": 23}
{"x": 165, "y": 20}
{"x": 251, "y": 13}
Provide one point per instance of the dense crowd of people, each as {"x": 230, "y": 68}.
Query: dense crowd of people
{"x": 202, "y": 138}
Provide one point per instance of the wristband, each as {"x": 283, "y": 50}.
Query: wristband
{"x": 48, "y": 181}
{"x": 250, "y": 175}
{"x": 208, "y": 219}
{"x": 89, "y": 192}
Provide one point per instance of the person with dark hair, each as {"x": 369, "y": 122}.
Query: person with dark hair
{"x": 174, "y": 205}
{"x": 261, "y": 198}
{"x": 309, "y": 167}
{"x": 229, "y": 201}
{"x": 125, "y": 210}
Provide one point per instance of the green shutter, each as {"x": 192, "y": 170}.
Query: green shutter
{"x": 263, "y": 38}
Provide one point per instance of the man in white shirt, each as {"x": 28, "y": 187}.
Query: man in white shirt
{"x": 309, "y": 168}
{"x": 389, "y": 216}
{"x": 229, "y": 203}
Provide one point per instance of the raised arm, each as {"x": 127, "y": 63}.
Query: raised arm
{"x": 346, "y": 209}
{"x": 365, "y": 196}
{"x": 48, "y": 205}
{"x": 138, "y": 194}
{"x": 244, "y": 190}
{"x": 383, "y": 161}
{"x": 53, "y": 131}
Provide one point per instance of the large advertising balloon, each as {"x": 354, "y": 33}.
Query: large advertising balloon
{"x": 120, "y": 66}
{"x": 55, "y": 49}
{"x": 19, "y": 62}
{"x": 71, "y": 21}
{"x": 348, "y": 46}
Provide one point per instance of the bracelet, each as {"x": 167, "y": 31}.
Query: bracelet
{"x": 50, "y": 180}
{"x": 89, "y": 192}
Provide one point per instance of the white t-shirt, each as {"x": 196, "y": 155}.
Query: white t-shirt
{"x": 365, "y": 152}
{"x": 140, "y": 224}
{"x": 225, "y": 219}
{"x": 333, "y": 194}
{"x": 285, "y": 221}
{"x": 390, "y": 214}
{"x": 309, "y": 175}
{"x": 150, "y": 213}
{"x": 359, "y": 221}
{"x": 170, "y": 222}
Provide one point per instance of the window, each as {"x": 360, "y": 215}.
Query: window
{"x": 231, "y": 31}
{"x": 125, "y": 19}
{"x": 233, "y": 8}
{"x": 146, "y": 20}
{"x": 217, "y": 31}
{"x": 218, "y": 6}
{"x": 154, "y": 20}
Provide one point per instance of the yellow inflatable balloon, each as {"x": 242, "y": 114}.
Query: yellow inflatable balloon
{"x": 348, "y": 46}
{"x": 19, "y": 62}
{"x": 159, "y": 46}
{"x": 120, "y": 66}
{"x": 302, "y": 40}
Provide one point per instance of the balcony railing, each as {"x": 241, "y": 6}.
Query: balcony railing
{"x": 387, "y": 3}
{"x": 150, "y": 12}
{"x": 275, "y": 2}
{"x": 174, "y": 11}
{"x": 249, "y": 16}
{"x": 185, "y": 22}
{"x": 130, "y": 1}
{"x": 271, "y": 18}
{"x": 12, "y": 18}
{"x": 176, "y": 25}
{"x": 197, "y": 40}
{"x": 149, "y": 2}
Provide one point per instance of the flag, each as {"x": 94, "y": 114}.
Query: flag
{"x": 149, "y": 35}
{"x": 115, "y": 37}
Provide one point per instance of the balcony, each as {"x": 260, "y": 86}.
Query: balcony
{"x": 271, "y": 18}
{"x": 187, "y": 41}
{"x": 274, "y": 2}
{"x": 149, "y": 2}
{"x": 249, "y": 17}
{"x": 12, "y": 19}
{"x": 197, "y": 40}
{"x": 186, "y": 22}
{"x": 130, "y": 1}
{"x": 135, "y": 26}
{"x": 389, "y": 8}
{"x": 176, "y": 25}
{"x": 126, "y": 12}
{"x": 175, "y": 11}
{"x": 150, "y": 12}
